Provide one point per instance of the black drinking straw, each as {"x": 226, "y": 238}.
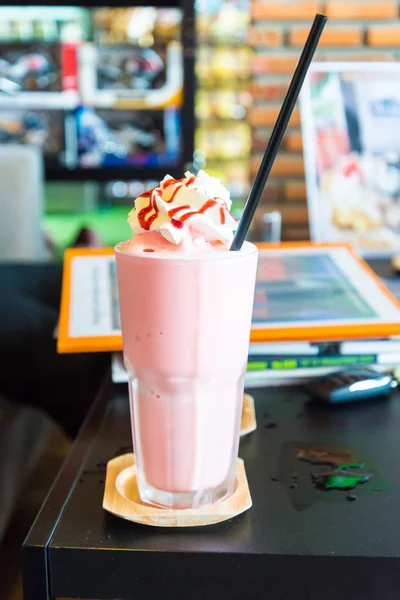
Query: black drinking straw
{"x": 279, "y": 130}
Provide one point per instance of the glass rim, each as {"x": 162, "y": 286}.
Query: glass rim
{"x": 248, "y": 249}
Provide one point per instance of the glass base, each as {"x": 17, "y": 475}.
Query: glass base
{"x": 186, "y": 438}
{"x": 182, "y": 500}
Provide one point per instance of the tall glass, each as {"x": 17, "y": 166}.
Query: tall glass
{"x": 185, "y": 326}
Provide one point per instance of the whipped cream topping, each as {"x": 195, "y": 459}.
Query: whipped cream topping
{"x": 183, "y": 209}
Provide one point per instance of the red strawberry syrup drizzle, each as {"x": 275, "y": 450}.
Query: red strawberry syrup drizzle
{"x": 146, "y": 219}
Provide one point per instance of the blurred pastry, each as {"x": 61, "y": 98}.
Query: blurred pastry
{"x": 354, "y": 206}
{"x": 381, "y": 239}
{"x": 392, "y": 216}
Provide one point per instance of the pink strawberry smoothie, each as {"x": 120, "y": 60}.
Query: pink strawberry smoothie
{"x": 186, "y": 309}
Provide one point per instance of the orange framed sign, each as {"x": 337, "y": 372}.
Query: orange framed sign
{"x": 304, "y": 292}
{"x": 89, "y": 312}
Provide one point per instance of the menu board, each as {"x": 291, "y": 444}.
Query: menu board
{"x": 306, "y": 288}
{"x": 350, "y": 120}
{"x": 308, "y": 292}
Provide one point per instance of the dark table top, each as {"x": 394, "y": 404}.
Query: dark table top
{"x": 296, "y": 542}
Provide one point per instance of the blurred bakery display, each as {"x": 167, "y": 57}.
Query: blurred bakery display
{"x": 145, "y": 26}
{"x": 223, "y": 135}
{"x": 223, "y": 22}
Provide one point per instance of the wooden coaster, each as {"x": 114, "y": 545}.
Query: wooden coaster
{"x": 121, "y": 498}
{"x": 249, "y": 422}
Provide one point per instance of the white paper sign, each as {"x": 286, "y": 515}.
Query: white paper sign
{"x": 94, "y": 297}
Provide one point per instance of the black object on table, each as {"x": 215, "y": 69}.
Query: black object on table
{"x": 296, "y": 543}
